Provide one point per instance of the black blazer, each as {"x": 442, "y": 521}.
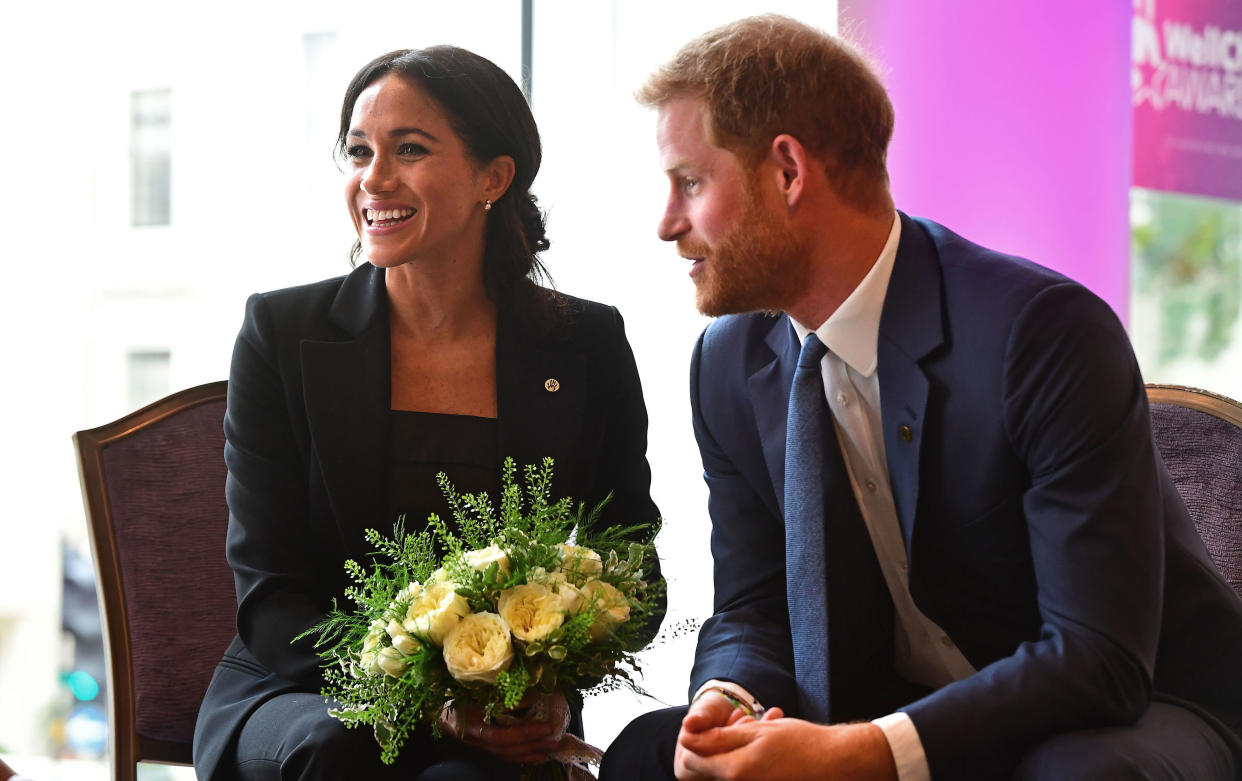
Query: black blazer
{"x": 306, "y": 431}
{"x": 1042, "y": 530}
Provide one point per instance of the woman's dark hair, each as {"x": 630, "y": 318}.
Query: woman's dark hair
{"x": 490, "y": 115}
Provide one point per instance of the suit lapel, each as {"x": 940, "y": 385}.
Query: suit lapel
{"x": 541, "y": 397}
{"x": 347, "y": 384}
{"x": 911, "y": 327}
{"x": 769, "y": 388}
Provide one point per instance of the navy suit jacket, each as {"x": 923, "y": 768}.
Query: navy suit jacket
{"x": 306, "y": 431}
{"x": 1042, "y": 531}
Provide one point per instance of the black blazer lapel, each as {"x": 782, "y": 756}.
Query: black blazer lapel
{"x": 347, "y": 384}
{"x": 541, "y": 398}
{"x": 911, "y": 326}
{"x": 768, "y": 389}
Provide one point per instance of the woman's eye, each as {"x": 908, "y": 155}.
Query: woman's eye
{"x": 356, "y": 151}
{"x": 411, "y": 150}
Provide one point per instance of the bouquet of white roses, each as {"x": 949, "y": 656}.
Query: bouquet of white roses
{"x": 504, "y": 606}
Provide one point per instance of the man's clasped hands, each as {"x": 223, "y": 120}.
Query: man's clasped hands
{"x": 719, "y": 740}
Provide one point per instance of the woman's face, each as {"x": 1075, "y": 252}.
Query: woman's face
{"x": 412, "y": 189}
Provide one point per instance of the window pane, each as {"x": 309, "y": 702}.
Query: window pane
{"x": 146, "y": 376}
{"x": 1186, "y": 289}
{"x": 151, "y": 156}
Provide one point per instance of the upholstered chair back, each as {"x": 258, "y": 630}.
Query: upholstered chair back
{"x": 153, "y": 484}
{"x": 1199, "y": 435}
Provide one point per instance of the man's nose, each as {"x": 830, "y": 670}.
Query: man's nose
{"x": 673, "y": 224}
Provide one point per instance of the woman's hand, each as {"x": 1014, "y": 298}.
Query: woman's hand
{"x": 525, "y": 736}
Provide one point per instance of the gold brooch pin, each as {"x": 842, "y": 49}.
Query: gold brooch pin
{"x": 905, "y": 433}
{"x": 551, "y": 385}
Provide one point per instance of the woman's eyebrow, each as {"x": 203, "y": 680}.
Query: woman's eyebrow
{"x": 398, "y": 132}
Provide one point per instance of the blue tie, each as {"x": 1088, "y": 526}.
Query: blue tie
{"x": 806, "y": 583}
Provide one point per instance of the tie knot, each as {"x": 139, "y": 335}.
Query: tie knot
{"x": 813, "y": 351}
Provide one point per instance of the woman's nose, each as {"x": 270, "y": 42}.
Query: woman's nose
{"x": 377, "y": 178}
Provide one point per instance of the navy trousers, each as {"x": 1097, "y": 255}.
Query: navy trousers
{"x": 1167, "y": 744}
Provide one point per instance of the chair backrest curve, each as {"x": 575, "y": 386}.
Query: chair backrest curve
{"x": 153, "y": 486}
{"x": 1199, "y": 435}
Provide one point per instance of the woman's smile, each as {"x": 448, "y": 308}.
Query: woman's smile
{"x": 384, "y": 217}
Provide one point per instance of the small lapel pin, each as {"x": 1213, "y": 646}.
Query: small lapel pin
{"x": 904, "y": 431}
{"x": 551, "y": 385}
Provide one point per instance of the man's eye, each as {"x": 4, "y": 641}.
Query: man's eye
{"x": 689, "y": 183}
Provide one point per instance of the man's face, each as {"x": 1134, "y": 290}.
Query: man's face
{"x": 746, "y": 257}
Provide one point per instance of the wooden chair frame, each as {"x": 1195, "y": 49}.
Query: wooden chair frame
{"x": 125, "y": 746}
{"x": 1198, "y": 399}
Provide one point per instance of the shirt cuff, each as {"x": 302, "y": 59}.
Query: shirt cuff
{"x": 737, "y": 690}
{"x": 903, "y": 741}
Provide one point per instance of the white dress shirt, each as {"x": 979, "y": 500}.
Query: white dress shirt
{"x": 923, "y": 653}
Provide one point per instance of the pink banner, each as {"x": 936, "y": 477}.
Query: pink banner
{"x": 1186, "y": 78}
{"x": 1013, "y": 124}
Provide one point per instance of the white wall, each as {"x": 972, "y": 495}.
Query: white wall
{"x": 604, "y": 190}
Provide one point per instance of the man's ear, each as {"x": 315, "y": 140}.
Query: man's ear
{"x": 497, "y": 176}
{"x": 790, "y": 160}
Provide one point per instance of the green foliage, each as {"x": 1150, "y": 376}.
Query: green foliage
{"x": 511, "y": 685}
{"x": 394, "y": 691}
{"x": 1188, "y": 260}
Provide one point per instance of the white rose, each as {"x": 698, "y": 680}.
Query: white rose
{"x": 532, "y": 611}
{"x": 612, "y": 608}
{"x": 478, "y": 648}
{"x": 374, "y": 633}
{"x": 367, "y": 660}
{"x": 571, "y": 597}
{"x": 581, "y": 563}
{"x": 410, "y": 592}
{"x": 439, "y": 576}
{"x": 390, "y": 661}
{"x": 480, "y": 560}
{"x": 435, "y": 612}
{"x": 401, "y": 639}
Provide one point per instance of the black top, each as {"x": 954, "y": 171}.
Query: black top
{"x": 423, "y": 444}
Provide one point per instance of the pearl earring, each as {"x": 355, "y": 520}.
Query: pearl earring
{"x": 487, "y": 205}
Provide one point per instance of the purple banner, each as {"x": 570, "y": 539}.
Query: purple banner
{"x": 1186, "y": 78}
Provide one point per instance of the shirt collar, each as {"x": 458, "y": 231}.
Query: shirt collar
{"x": 853, "y": 331}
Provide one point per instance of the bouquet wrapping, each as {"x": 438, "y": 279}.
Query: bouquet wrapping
{"x": 533, "y": 599}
